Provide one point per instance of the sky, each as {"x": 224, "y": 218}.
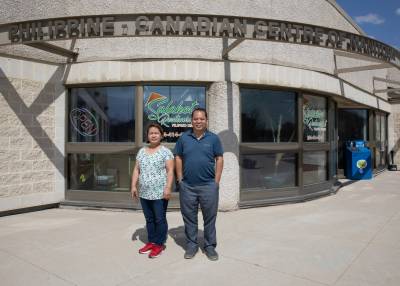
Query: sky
{"x": 379, "y": 19}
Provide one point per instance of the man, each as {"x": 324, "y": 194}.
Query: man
{"x": 199, "y": 163}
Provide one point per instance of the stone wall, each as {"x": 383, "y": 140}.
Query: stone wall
{"x": 394, "y": 117}
{"x": 29, "y": 147}
{"x": 394, "y": 132}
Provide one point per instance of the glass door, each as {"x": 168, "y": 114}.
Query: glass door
{"x": 352, "y": 125}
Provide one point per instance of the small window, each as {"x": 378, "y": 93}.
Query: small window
{"x": 314, "y": 118}
{"x": 268, "y": 170}
{"x": 314, "y": 167}
{"x": 268, "y": 116}
{"x": 100, "y": 172}
{"x": 102, "y": 114}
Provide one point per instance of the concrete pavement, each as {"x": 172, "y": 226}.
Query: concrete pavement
{"x": 351, "y": 238}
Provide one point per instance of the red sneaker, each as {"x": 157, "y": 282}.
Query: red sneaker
{"x": 156, "y": 251}
{"x": 147, "y": 248}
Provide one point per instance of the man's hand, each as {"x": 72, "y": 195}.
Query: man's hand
{"x": 167, "y": 193}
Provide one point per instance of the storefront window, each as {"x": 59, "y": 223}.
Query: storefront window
{"x": 102, "y": 114}
{"x": 100, "y": 172}
{"x": 352, "y": 125}
{"x": 314, "y": 118}
{"x": 314, "y": 167}
{"x": 268, "y": 116}
{"x": 383, "y": 140}
{"x": 171, "y": 107}
{"x": 268, "y": 171}
{"x": 377, "y": 140}
{"x": 380, "y": 140}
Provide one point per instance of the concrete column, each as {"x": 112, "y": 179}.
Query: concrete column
{"x": 224, "y": 118}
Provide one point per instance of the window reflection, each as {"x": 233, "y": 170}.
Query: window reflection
{"x": 268, "y": 116}
{"x": 102, "y": 114}
{"x": 267, "y": 171}
{"x": 314, "y": 167}
{"x": 314, "y": 118}
{"x": 100, "y": 172}
{"x": 353, "y": 125}
{"x": 380, "y": 140}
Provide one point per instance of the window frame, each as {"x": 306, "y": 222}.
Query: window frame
{"x": 300, "y": 191}
{"x": 115, "y": 198}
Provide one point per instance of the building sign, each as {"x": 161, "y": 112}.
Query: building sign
{"x": 171, "y": 107}
{"x": 195, "y": 26}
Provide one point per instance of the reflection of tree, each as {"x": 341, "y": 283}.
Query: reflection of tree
{"x": 255, "y": 130}
{"x": 260, "y": 126}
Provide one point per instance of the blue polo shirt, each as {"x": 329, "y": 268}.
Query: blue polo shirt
{"x": 198, "y": 156}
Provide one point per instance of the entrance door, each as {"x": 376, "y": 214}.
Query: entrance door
{"x": 352, "y": 125}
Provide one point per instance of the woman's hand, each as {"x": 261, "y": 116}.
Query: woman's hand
{"x": 134, "y": 193}
{"x": 167, "y": 193}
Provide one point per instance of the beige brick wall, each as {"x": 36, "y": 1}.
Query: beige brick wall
{"x": 27, "y": 133}
{"x": 396, "y": 132}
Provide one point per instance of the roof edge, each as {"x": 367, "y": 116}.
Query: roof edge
{"x": 346, "y": 16}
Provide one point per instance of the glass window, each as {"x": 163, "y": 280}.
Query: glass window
{"x": 378, "y": 128}
{"x": 352, "y": 125}
{"x": 268, "y": 116}
{"x": 380, "y": 139}
{"x": 383, "y": 140}
{"x": 102, "y": 114}
{"x": 314, "y": 118}
{"x": 171, "y": 107}
{"x": 268, "y": 170}
{"x": 383, "y": 128}
{"x": 100, "y": 172}
{"x": 314, "y": 167}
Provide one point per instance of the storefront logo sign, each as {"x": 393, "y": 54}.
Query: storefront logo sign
{"x": 169, "y": 113}
{"x": 315, "y": 123}
{"x": 84, "y": 122}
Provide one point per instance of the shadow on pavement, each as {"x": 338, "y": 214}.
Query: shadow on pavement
{"x": 178, "y": 235}
{"x": 140, "y": 234}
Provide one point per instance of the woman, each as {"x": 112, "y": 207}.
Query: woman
{"x": 154, "y": 170}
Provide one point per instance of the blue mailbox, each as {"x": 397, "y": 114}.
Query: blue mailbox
{"x": 358, "y": 161}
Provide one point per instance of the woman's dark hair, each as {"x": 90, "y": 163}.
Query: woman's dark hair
{"x": 201, "y": 110}
{"x": 155, "y": 125}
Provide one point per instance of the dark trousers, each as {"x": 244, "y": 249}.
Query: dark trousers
{"x": 155, "y": 213}
{"x": 190, "y": 198}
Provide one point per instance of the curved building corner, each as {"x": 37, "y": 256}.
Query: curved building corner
{"x": 286, "y": 84}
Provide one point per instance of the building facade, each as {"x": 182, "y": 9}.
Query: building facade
{"x": 285, "y": 83}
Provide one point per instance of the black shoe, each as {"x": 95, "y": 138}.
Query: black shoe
{"x": 190, "y": 253}
{"x": 211, "y": 253}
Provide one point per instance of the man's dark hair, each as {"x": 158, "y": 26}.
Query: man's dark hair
{"x": 201, "y": 110}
